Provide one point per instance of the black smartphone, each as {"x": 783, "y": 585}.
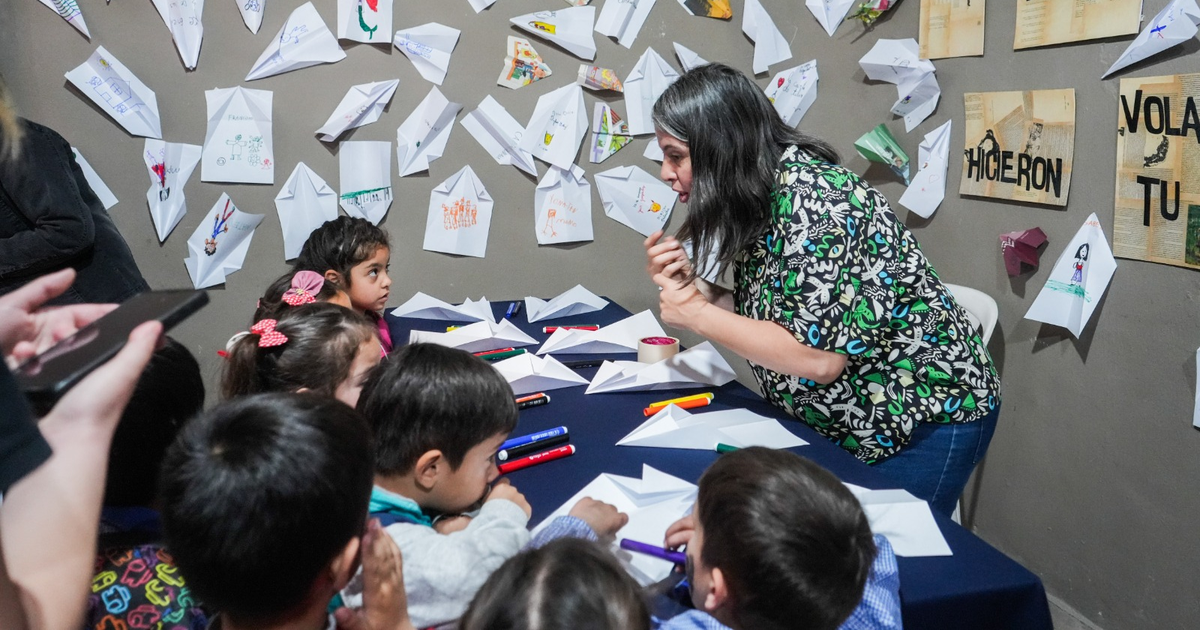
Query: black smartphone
{"x": 49, "y": 375}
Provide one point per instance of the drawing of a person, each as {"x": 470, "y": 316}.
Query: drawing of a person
{"x": 550, "y": 222}
{"x": 1081, "y": 255}
{"x": 219, "y": 227}
{"x": 235, "y": 147}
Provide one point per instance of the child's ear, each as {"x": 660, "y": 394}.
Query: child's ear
{"x": 718, "y": 595}
{"x": 333, "y": 278}
{"x": 345, "y": 564}
{"x": 429, "y": 467}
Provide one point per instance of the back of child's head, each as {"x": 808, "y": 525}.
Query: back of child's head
{"x": 427, "y": 397}
{"x": 568, "y": 583}
{"x": 259, "y": 495}
{"x": 339, "y": 245}
{"x": 169, "y": 392}
{"x": 311, "y": 347}
{"x": 792, "y": 542}
{"x": 294, "y": 289}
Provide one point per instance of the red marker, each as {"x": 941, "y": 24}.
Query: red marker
{"x": 550, "y": 329}
{"x": 537, "y": 458}
{"x": 487, "y": 352}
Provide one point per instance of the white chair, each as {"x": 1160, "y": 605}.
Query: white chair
{"x": 980, "y": 307}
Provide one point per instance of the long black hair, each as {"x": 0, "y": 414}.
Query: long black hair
{"x": 735, "y": 138}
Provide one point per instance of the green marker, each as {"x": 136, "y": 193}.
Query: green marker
{"x": 725, "y": 448}
{"x": 496, "y": 356}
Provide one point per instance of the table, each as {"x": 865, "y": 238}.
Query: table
{"x": 978, "y": 588}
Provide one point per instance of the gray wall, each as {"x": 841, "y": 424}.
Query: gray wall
{"x": 1090, "y": 477}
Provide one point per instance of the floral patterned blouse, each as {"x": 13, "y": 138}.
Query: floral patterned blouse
{"x": 839, "y": 270}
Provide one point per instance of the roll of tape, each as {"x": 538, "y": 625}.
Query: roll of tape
{"x": 655, "y": 349}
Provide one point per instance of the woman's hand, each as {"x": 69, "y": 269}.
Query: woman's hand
{"x": 27, "y": 328}
{"x": 661, "y": 252}
{"x": 680, "y": 303}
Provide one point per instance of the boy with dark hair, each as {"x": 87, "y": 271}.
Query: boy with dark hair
{"x": 264, "y": 503}
{"x": 777, "y": 542}
{"x": 439, "y": 416}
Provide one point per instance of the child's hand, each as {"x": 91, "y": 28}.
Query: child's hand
{"x": 680, "y": 532}
{"x": 503, "y": 489}
{"x": 452, "y": 524}
{"x": 603, "y": 518}
{"x": 385, "y": 605}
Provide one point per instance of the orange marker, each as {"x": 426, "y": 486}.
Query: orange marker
{"x": 687, "y": 402}
{"x": 537, "y": 458}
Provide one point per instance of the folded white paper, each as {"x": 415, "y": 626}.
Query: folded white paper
{"x": 574, "y": 301}
{"x": 620, "y": 336}
{"x": 477, "y": 337}
{"x": 500, "y": 134}
{"x": 563, "y": 207}
{"x": 422, "y": 306}
{"x": 830, "y": 13}
{"x": 170, "y": 165}
{"x": 793, "y": 91}
{"x": 688, "y": 59}
{"x": 362, "y": 105}
{"x": 928, "y": 187}
{"x": 653, "y": 151}
{"x": 460, "y": 216}
{"x": 622, "y": 20}
{"x": 366, "y": 21}
{"x": 636, "y": 198}
{"x": 1078, "y": 280}
{"x": 422, "y": 137}
{"x": 480, "y": 5}
{"x": 673, "y": 427}
{"x": 650, "y": 77}
{"x": 557, "y": 126}
{"x": 1174, "y": 25}
{"x": 569, "y": 28}
{"x": 529, "y": 373}
{"x": 303, "y": 41}
{"x": 522, "y": 66}
{"x": 898, "y": 61}
{"x": 69, "y": 11}
{"x": 252, "y": 13}
{"x": 103, "y": 192}
{"x": 365, "y": 171}
{"x": 118, "y": 93}
{"x": 304, "y": 203}
{"x": 428, "y": 47}
{"x": 698, "y": 366}
{"x": 218, "y": 246}
{"x": 652, "y": 503}
{"x": 184, "y": 18}
{"x": 904, "y": 520}
{"x": 770, "y": 47}
{"x": 239, "y": 145}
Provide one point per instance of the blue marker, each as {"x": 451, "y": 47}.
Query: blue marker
{"x": 513, "y": 309}
{"x": 533, "y": 437}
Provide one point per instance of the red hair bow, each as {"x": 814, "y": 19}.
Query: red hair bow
{"x": 305, "y": 287}
{"x": 268, "y": 337}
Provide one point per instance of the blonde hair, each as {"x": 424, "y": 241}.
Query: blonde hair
{"x": 10, "y": 127}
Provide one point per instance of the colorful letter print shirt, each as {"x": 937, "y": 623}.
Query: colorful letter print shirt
{"x": 839, "y": 270}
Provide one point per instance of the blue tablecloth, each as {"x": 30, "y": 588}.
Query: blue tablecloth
{"x": 978, "y": 588}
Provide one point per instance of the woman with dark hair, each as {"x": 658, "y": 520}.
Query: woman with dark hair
{"x": 843, "y": 320}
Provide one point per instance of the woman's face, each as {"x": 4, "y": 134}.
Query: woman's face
{"x": 677, "y": 164}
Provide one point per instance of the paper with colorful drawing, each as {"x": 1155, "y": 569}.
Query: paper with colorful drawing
{"x": 218, "y": 246}
{"x": 118, "y": 93}
{"x": 609, "y": 133}
{"x": 522, "y": 66}
{"x": 928, "y": 187}
{"x": 569, "y": 28}
{"x": 500, "y": 134}
{"x": 717, "y": 9}
{"x": 793, "y": 91}
{"x": 562, "y": 206}
{"x": 428, "y": 47}
{"x": 635, "y": 198}
{"x": 184, "y": 18}
{"x": 597, "y": 78}
{"x": 557, "y": 126}
{"x": 650, "y": 77}
{"x": 1077, "y": 281}
{"x": 365, "y": 175}
{"x": 303, "y": 41}
{"x": 304, "y": 203}
{"x": 460, "y": 216}
{"x": 422, "y": 137}
{"x": 239, "y": 145}
{"x": 170, "y": 165}
{"x": 366, "y": 21}
{"x": 362, "y": 105}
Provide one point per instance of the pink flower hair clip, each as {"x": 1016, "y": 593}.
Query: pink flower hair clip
{"x": 306, "y": 285}
{"x": 268, "y": 337}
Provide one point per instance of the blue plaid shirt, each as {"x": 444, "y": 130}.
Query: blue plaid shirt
{"x": 878, "y": 610}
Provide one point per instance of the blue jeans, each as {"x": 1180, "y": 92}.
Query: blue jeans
{"x": 937, "y": 462}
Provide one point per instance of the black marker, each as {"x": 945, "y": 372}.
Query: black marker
{"x": 532, "y": 447}
{"x": 584, "y": 363}
{"x": 532, "y": 400}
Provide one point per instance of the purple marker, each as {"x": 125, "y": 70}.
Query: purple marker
{"x": 677, "y": 557}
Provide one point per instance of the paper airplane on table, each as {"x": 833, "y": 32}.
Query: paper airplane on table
{"x": 650, "y": 77}
{"x": 1174, "y": 25}
{"x": 622, "y": 20}
{"x": 422, "y": 306}
{"x": 1021, "y": 247}
{"x": 609, "y": 133}
{"x": 557, "y": 126}
{"x": 184, "y": 18}
{"x": 652, "y": 503}
{"x": 793, "y": 91}
{"x": 597, "y": 78}
{"x": 1077, "y": 281}
{"x": 574, "y": 301}
{"x": 428, "y": 47}
{"x": 169, "y": 164}
{"x": 252, "y": 13}
{"x": 69, "y": 11}
{"x": 830, "y": 13}
{"x": 362, "y": 105}
{"x": 698, "y": 366}
{"x": 365, "y": 175}
{"x": 635, "y": 198}
{"x": 898, "y": 61}
{"x": 218, "y": 246}
{"x": 118, "y": 93}
{"x": 688, "y": 59}
{"x": 422, "y": 137}
{"x": 304, "y": 203}
{"x": 770, "y": 47}
{"x": 928, "y": 187}
{"x": 569, "y": 28}
{"x": 529, "y": 373}
{"x": 103, "y": 192}
{"x": 562, "y": 205}
{"x": 904, "y": 520}
{"x": 621, "y": 336}
{"x": 477, "y": 337}
{"x": 673, "y": 427}
{"x": 303, "y": 41}
{"x": 500, "y": 134}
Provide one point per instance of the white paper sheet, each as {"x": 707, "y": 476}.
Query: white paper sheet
{"x": 500, "y": 134}
{"x": 428, "y": 47}
{"x": 622, "y": 19}
{"x": 621, "y": 336}
{"x": 610, "y": 133}
{"x": 170, "y": 165}
{"x": 103, "y": 192}
{"x": 830, "y": 13}
{"x": 793, "y": 91}
{"x": 928, "y": 187}
{"x": 574, "y": 301}
{"x": 218, "y": 246}
{"x": 118, "y": 93}
{"x": 477, "y": 337}
{"x": 653, "y": 151}
{"x": 698, "y": 366}
{"x": 635, "y": 198}
{"x": 673, "y": 427}
{"x": 522, "y": 65}
{"x": 480, "y": 5}
{"x": 557, "y": 126}
{"x": 252, "y": 13}
{"x": 365, "y": 172}
{"x": 653, "y": 503}
{"x": 770, "y": 47}
{"x": 650, "y": 77}
{"x": 303, "y": 41}
{"x": 569, "y": 28}
{"x": 460, "y": 216}
{"x": 688, "y": 59}
{"x": 239, "y": 145}
{"x": 1174, "y": 25}
{"x": 422, "y": 137}
{"x": 1077, "y": 281}
{"x": 69, "y": 11}
{"x": 304, "y": 203}
{"x": 562, "y": 205}
{"x": 184, "y": 18}
{"x": 422, "y": 306}
{"x": 904, "y": 520}
{"x": 366, "y": 21}
{"x": 898, "y": 61}
{"x": 529, "y": 373}
{"x": 362, "y": 105}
